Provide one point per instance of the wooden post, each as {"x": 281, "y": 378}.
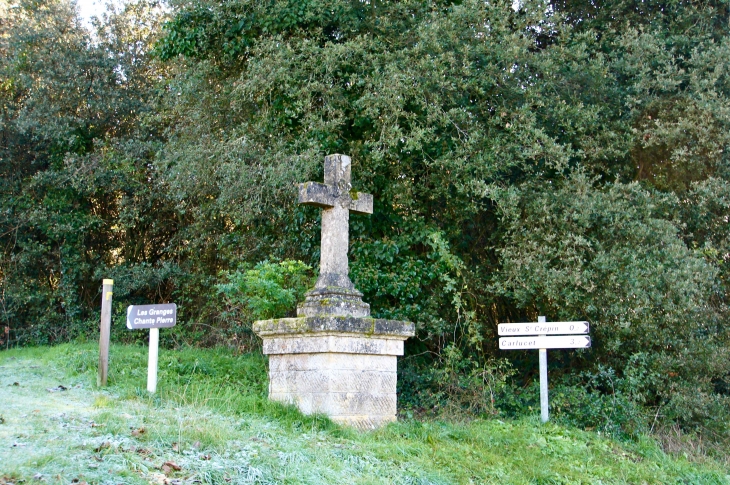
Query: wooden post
{"x": 104, "y": 331}
{"x": 152, "y": 362}
{"x": 544, "y": 407}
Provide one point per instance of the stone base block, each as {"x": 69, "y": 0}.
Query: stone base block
{"x": 342, "y": 404}
{"x": 344, "y": 367}
{"x": 334, "y": 381}
{"x": 331, "y": 360}
{"x": 357, "y": 390}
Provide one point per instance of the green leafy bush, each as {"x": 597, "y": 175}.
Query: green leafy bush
{"x": 269, "y": 290}
{"x": 455, "y": 386}
{"x": 602, "y": 401}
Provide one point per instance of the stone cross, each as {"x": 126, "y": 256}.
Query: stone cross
{"x": 334, "y": 358}
{"x": 337, "y": 199}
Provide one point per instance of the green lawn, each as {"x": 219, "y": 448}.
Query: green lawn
{"x": 210, "y": 422}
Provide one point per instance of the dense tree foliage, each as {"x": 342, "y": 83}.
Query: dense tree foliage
{"x": 75, "y": 163}
{"x": 566, "y": 159}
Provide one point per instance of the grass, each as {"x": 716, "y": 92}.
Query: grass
{"x": 210, "y": 423}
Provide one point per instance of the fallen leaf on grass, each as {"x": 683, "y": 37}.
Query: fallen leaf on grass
{"x": 205, "y": 457}
{"x": 139, "y": 432}
{"x": 175, "y": 447}
{"x": 171, "y": 465}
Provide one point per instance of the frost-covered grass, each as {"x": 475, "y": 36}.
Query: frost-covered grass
{"x": 210, "y": 418}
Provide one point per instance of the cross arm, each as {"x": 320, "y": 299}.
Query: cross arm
{"x": 316, "y": 194}
{"x": 361, "y": 203}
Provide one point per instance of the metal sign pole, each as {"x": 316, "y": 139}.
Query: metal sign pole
{"x": 544, "y": 409}
{"x": 152, "y": 362}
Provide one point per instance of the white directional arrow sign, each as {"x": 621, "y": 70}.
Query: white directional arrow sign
{"x": 552, "y": 342}
{"x": 550, "y": 328}
{"x": 545, "y": 335}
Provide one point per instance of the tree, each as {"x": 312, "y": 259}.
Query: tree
{"x": 68, "y": 169}
{"x": 475, "y": 125}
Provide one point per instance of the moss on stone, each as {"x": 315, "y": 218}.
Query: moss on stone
{"x": 333, "y": 323}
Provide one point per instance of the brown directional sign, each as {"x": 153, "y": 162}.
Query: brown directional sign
{"x": 151, "y": 316}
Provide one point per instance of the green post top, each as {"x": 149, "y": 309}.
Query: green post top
{"x": 108, "y": 282}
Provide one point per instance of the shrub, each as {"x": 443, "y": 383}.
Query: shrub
{"x": 269, "y": 290}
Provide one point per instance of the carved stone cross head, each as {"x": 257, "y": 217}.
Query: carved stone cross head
{"x": 337, "y": 199}
{"x": 336, "y": 189}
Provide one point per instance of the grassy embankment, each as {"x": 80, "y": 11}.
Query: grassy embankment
{"x": 211, "y": 423}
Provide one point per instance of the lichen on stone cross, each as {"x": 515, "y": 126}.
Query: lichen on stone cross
{"x": 337, "y": 199}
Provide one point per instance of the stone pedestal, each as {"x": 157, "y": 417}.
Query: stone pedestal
{"x": 341, "y": 366}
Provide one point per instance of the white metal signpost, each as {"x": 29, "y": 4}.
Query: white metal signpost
{"x": 543, "y": 337}
{"x": 153, "y": 317}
